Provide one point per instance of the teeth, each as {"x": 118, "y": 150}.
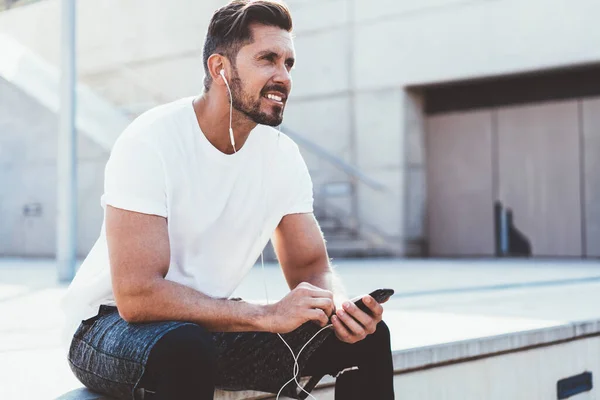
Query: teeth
{"x": 274, "y": 97}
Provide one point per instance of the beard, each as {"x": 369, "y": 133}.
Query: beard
{"x": 249, "y": 106}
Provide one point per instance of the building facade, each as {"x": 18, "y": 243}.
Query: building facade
{"x": 419, "y": 116}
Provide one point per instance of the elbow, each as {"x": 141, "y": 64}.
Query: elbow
{"x": 130, "y": 314}
{"x": 132, "y": 303}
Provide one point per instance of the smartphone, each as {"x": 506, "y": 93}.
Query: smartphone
{"x": 380, "y": 296}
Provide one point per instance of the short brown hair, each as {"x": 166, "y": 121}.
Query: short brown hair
{"x": 229, "y": 28}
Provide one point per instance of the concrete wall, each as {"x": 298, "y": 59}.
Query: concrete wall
{"x": 28, "y": 148}
{"x": 356, "y": 59}
{"x": 523, "y": 375}
{"x": 161, "y": 44}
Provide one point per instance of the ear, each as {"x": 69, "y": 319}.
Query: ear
{"x": 216, "y": 63}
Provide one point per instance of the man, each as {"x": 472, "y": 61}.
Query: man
{"x": 193, "y": 192}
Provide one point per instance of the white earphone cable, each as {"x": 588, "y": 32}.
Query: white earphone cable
{"x": 296, "y": 368}
{"x": 296, "y": 365}
{"x": 231, "y": 137}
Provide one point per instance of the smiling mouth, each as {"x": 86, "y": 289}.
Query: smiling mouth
{"x": 275, "y": 98}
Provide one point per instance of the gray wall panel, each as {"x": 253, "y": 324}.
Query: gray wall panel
{"x": 459, "y": 184}
{"x": 539, "y": 165}
{"x": 28, "y": 145}
{"x": 591, "y": 132}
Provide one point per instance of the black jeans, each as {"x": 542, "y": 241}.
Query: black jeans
{"x": 181, "y": 366}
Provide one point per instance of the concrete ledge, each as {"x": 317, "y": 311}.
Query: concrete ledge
{"x": 460, "y": 351}
{"x": 425, "y": 357}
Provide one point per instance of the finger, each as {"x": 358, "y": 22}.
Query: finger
{"x": 354, "y": 327}
{"x": 373, "y": 305}
{"x": 340, "y": 330}
{"x": 367, "y": 321}
{"x": 318, "y": 292}
{"x": 311, "y": 287}
{"x": 309, "y": 290}
{"x": 361, "y": 299}
{"x": 318, "y": 316}
{"x": 322, "y": 303}
{"x": 306, "y": 285}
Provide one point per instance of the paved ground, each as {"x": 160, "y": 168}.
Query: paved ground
{"x": 436, "y": 302}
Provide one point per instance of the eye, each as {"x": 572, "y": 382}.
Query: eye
{"x": 269, "y": 58}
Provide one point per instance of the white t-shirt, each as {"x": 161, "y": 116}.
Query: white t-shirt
{"x": 221, "y": 209}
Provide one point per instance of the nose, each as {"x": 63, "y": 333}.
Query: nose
{"x": 283, "y": 77}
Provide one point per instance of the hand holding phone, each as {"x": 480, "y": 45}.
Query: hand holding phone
{"x": 380, "y": 296}
{"x": 351, "y": 326}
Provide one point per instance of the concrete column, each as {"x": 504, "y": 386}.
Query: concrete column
{"x": 415, "y": 172}
{"x": 66, "y": 237}
{"x": 591, "y": 177}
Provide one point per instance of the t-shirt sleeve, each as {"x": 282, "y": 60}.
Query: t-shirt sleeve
{"x": 301, "y": 187}
{"x": 134, "y": 178}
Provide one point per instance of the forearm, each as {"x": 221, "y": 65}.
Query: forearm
{"x": 164, "y": 300}
{"x": 321, "y": 275}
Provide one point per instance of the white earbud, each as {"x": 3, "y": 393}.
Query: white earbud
{"x": 231, "y": 137}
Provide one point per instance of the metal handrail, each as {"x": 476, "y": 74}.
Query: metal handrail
{"x": 336, "y": 161}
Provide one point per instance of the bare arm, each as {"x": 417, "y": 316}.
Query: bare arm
{"x": 301, "y": 251}
{"x": 139, "y": 253}
{"x": 300, "y": 247}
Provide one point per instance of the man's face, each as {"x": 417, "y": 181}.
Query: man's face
{"x": 261, "y": 81}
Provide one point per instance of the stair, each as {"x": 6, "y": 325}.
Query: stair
{"x": 342, "y": 240}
